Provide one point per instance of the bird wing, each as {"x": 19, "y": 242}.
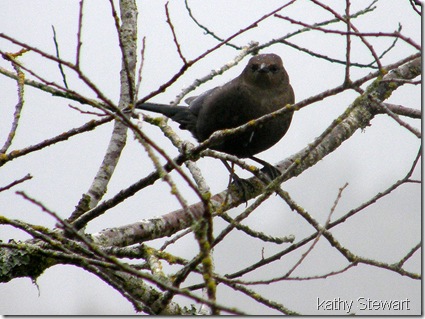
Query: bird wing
{"x": 197, "y": 102}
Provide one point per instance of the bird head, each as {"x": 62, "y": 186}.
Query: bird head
{"x": 265, "y": 71}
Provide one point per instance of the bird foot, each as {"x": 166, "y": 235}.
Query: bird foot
{"x": 271, "y": 171}
{"x": 243, "y": 187}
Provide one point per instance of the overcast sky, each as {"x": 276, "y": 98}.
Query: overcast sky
{"x": 370, "y": 161}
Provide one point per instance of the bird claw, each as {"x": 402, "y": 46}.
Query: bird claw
{"x": 271, "y": 171}
{"x": 243, "y": 187}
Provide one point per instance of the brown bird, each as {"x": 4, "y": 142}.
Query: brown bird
{"x": 262, "y": 87}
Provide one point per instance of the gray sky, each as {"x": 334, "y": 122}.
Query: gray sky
{"x": 370, "y": 161}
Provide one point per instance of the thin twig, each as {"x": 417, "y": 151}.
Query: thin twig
{"x": 362, "y": 37}
{"x": 207, "y": 31}
{"x": 142, "y": 62}
{"x": 403, "y": 110}
{"x": 18, "y": 181}
{"x": 122, "y": 266}
{"x": 81, "y": 75}
{"x": 354, "y": 33}
{"x": 20, "y": 80}
{"x": 413, "y": 61}
{"x": 396, "y": 118}
{"x": 409, "y": 254}
{"x": 89, "y": 126}
{"x": 176, "y": 42}
{"x": 321, "y": 229}
{"x": 348, "y": 39}
{"x": 79, "y": 33}
{"x": 298, "y": 278}
{"x": 55, "y": 40}
{"x": 326, "y": 57}
{"x": 342, "y": 219}
{"x": 186, "y": 66}
{"x": 414, "y": 4}
{"x": 256, "y": 234}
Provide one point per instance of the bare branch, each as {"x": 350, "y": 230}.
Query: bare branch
{"x": 89, "y": 126}
{"x": 207, "y": 31}
{"x": 18, "y": 181}
{"x": 408, "y": 255}
{"x": 397, "y": 119}
{"x": 348, "y": 39}
{"x": 118, "y": 139}
{"x": 79, "y": 33}
{"x": 186, "y": 66}
{"x": 357, "y": 116}
{"x": 320, "y": 233}
{"x": 55, "y": 40}
{"x": 342, "y": 219}
{"x": 402, "y": 110}
{"x": 159, "y": 280}
{"x": 20, "y": 78}
{"x": 394, "y": 34}
{"x": 176, "y": 42}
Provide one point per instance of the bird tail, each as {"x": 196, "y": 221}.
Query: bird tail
{"x": 167, "y": 110}
{"x": 181, "y": 114}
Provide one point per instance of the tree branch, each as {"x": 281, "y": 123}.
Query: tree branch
{"x": 357, "y": 116}
{"x": 128, "y": 43}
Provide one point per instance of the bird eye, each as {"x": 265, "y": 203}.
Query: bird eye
{"x": 273, "y": 68}
{"x": 255, "y": 67}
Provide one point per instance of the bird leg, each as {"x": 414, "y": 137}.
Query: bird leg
{"x": 242, "y": 185}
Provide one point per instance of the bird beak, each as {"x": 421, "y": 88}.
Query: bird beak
{"x": 263, "y": 68}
